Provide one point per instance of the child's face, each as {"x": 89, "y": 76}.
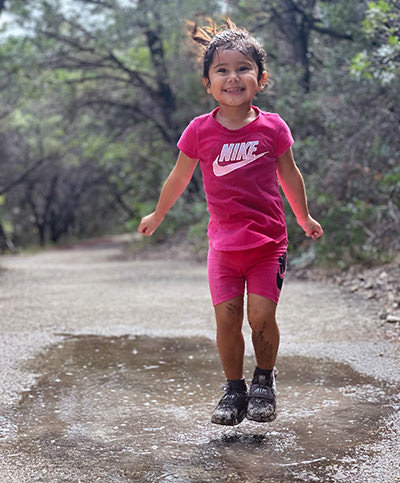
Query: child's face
{"x": 233, "y": 79}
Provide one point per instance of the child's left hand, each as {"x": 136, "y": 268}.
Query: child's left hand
{"x": 311, "y": 227}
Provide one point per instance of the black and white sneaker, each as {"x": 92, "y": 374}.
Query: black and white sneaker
{"x": 231, "y": 409}
{"x": 261, "y": 405}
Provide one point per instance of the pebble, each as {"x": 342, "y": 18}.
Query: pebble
{"x": 393, "y": 318}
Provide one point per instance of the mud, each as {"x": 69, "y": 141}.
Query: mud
{"x": 138, "y": 409}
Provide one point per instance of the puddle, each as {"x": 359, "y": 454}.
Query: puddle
{"x": 116, "y": 409}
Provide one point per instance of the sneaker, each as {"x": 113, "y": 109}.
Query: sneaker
{"x": 261, "y": 405}
{"x": 231, "y": 409}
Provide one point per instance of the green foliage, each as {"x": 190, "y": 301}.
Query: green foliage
{"x": 381, "y": 59}
{"x": 361, "y": 65}
{"x": 350, "y": 233}
{"x": 390, "y": 184}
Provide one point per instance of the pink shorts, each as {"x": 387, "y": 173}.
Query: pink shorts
{"x": 262, "y": 268}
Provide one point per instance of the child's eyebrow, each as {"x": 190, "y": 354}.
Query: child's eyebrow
{"x": 223, "y": 64}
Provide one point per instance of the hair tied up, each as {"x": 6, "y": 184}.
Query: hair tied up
{"x": 205, "y": 35}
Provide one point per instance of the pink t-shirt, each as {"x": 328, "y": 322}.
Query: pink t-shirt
{"x": 239, "y": 177}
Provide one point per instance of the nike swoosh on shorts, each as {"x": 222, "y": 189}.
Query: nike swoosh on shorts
{"x": 222, "y": 170}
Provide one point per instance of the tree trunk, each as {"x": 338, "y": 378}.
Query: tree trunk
{"x": 5, "y": 243}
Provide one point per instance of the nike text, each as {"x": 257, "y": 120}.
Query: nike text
{"x": 238, "y": 155}
{"x": 237, "y": 151}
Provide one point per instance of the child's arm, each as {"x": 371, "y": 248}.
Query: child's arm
{"x": 292, "y": 184}
{"x": 173, "y": 187}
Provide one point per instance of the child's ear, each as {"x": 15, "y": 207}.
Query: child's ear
{"x": 207, "y": 84}
{"x": 263, "y": 80}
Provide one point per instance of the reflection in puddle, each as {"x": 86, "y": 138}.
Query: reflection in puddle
{"x": 138, "y": 409}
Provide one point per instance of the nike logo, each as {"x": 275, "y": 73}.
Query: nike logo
{"x": 238, "y": 154}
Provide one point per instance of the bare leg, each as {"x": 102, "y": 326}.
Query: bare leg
{"x": 265, "y": 333}
{"x": 231, "y": 409}
{"x": 261, "y": 404}
{"x": 230, "y": 340}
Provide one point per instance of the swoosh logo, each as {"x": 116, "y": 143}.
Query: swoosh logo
{"x": 222, "y": 170}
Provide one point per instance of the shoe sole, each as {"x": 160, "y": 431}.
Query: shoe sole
{"x": 260, "y": 419}
{"x": 229, "y": 422}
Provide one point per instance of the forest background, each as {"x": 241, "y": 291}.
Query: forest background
{"x": 95, "y": 93}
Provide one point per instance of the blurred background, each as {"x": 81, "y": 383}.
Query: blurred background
{"x": 95, "y": 93}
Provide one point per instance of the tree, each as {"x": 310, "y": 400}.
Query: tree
{"x": 380, "y": 59}
{"x": 126, "y": 54}
{"x": 95, "y": 80}
{"x": 94, "y": 94}
{"x": 294, "y": 22}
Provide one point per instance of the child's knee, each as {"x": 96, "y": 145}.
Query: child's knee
{"x": 229, "y": 312}
{"x": 261, "y": 324}
{"x": 261, "y": 314}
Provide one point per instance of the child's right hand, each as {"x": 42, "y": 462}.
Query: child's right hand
{"x": 149, "y": 224}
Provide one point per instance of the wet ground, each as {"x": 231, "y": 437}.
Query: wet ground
{"x": 137, "y": 408}
{"x": 104, "y": 381}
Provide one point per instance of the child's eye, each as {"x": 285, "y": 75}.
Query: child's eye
{"x": 222, "y": 70}
{"x": 243, "y": 68}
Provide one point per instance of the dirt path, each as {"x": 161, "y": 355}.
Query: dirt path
{"x": 49, "y": 297}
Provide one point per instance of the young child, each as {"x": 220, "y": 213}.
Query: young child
{"x": 242, "y": 151}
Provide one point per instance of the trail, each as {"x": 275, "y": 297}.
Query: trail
{"x": 62, "y": 305}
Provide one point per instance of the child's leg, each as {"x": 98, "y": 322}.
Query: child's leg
{"x": 261, "y": 405}
{"x": 231, "y": 409}
{"x": 227, "y": 285}
{"x": 230, "y": 341}
{"x": 265, "y": 332}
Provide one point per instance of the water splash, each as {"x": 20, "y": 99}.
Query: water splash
{"x": 138, "y": 408}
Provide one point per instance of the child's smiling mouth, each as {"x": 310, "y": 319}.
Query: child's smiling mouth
{"x": 234, "y": 90}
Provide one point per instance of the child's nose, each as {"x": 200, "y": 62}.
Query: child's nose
{"x": 233, "y": 76}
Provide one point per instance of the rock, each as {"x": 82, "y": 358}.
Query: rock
{"x": 393, "y": 318}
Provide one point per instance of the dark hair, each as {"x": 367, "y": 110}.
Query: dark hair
{"x": 228, "y": 37}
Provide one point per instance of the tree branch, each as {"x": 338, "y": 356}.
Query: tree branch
{"x": 312, "y": 23}
{"x": 107, "y": 61}
{"x": 24, "y": 176}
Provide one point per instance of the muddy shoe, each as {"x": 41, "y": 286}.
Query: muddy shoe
{"x": 261, "y": 405}
{"x": 231, "y": 409}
